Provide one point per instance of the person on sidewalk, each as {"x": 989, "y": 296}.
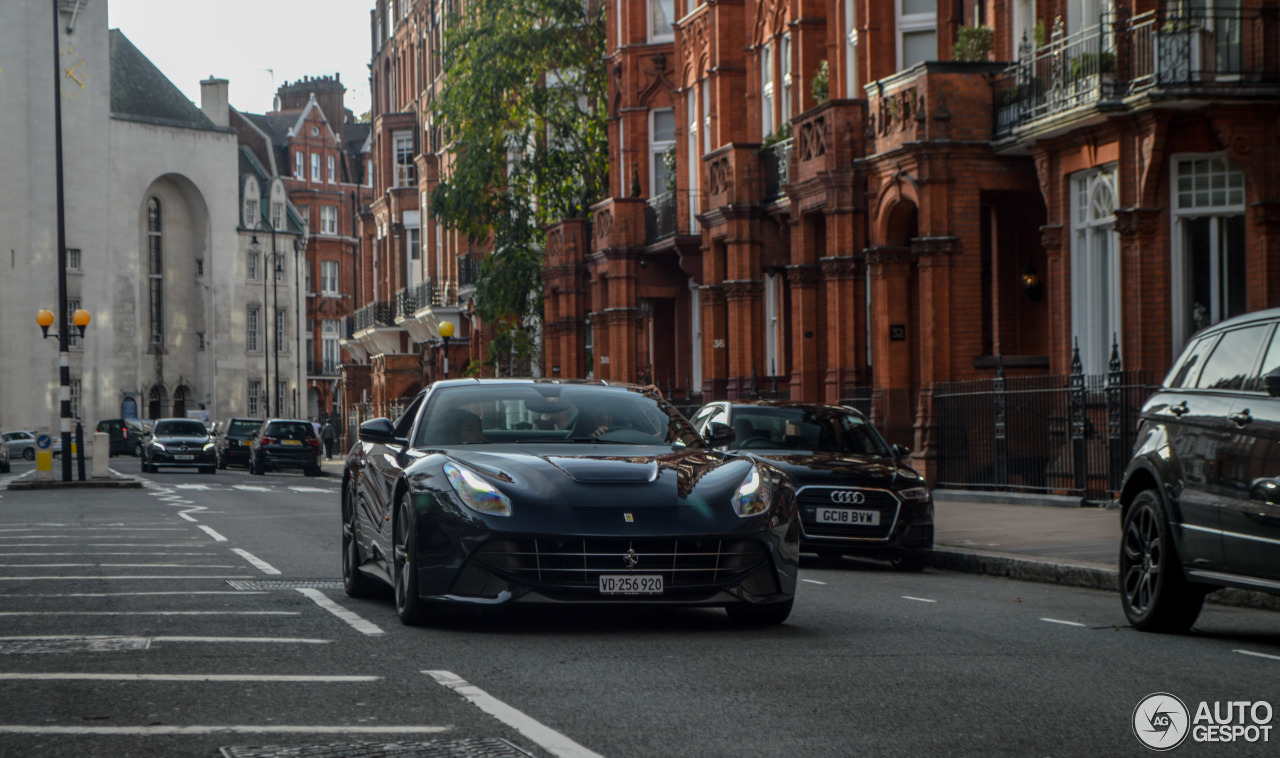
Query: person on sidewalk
{"x": 329, "y": 436}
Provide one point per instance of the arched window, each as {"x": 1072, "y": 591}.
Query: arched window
{"x": 1095, "y": 267}
{"x": 155, "y": 403}
{"x": 180, "y": 402}
{"x": 155, "y": 273}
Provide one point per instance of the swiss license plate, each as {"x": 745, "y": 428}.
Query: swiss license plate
{"x": 631, "y": 584}
{"x": 184, "y": 457}
{"x": 847, "y": 516}
{"x": 291, "y": 442}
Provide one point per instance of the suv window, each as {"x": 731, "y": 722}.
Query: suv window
{"x": 1184, "y": 373}
{"x": 1233, "y": 360}
{"x": 1271, "y": 362}
{"x": 246, "y": 428}
{"x": 290, "y": 430}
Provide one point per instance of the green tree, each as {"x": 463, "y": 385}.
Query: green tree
{"x": 522, "y": 113}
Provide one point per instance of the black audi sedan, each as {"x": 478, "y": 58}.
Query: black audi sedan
{"x": 500, "y": 491}
{"x": 856, "y": 496}
{"x": 179, "y": 442}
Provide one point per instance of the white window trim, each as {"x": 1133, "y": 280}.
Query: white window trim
{"x": 851, "y": 54}
{"x": 912, "y": 22}
{"x": 299, "y": 166}
{"x": 649, "y": 34}
{"x": 315, "y": 167}
{"x": 695, "y": 330}
{"x": 766, "y": 90}
{"x": 785, "y": 79}
{"x": 333, "y": 171}
{"x": 1088, "y": 301}
{"x": 1177, "y": 246}
{"x": 691, "y": 102}
{"x": 656, "y": 149}
{"x": 326, "y": 280}
{"x": 772, "y": 322}
{"x": 329, "y": 220}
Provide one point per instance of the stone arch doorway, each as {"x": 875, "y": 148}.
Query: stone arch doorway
{"x": 157, "y": 402}
{"x": 896, "y": 327}
{"x": 180, "y": 396}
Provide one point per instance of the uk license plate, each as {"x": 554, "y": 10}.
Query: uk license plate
{"x": 291, "y": 442}
{"x": 848, "y": 517}
{"x": 184, "y": 457}
{"x": 631, "y": 584}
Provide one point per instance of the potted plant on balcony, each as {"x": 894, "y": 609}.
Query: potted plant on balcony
{"x": 821, "y": 86}
{"x": 973, "y": 43}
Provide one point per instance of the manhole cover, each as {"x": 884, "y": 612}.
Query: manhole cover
{"x": 295, "y": 584}
{"x": 486, "y": 748}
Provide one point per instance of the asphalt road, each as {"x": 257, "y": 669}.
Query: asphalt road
{"x": 122, "y": 634}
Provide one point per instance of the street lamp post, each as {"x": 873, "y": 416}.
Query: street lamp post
{"x": 274, "y": 257}
{"x": 64, "y": 358}
{"x": 446, "y": 332}
{"x": 80, "y": 319}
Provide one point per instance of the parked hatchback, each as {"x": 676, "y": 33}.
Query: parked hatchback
{"x": 856, "y": 496}
{"x": 285, "y": 443}
{"x": 1201, "y": 496}
{"x": 235, "y": 439}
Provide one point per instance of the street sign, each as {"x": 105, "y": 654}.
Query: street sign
{"x": 43, "y": 442}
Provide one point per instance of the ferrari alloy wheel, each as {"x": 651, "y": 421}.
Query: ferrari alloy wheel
{"x": 354, "y": 582}
{"x": 1155, "y": 593}
{"x": 411, "y": 608}
{"x": 759, "y": 615}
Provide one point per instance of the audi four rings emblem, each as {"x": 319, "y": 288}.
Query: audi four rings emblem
{"x": 847, "y": 497}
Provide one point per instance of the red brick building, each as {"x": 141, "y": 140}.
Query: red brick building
{"x": 1092, "y": 173}
{"x": 313, "y": 142}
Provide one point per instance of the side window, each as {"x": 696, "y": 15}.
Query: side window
{"x": 1270, "y": 363}
{"x": 700, "y": 418}
{"x": 405, "y": 422}
{"x": 1233, "y": 360}
{"x": 1186, "y": 371}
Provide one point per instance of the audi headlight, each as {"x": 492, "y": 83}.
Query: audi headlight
{"x": 753, "y": 496}
{"x": 919, "y": 494}
{"x": 475, "y": 492}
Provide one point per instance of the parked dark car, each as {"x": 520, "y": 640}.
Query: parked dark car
{"x": 127, "y": 435}
{"x": 855, "y": 494}
{"x": 476, "y": 498}
{"x": 234, "y": 440}
{"x": 1201, "y": 496}
{"x": 4, "y": 458}
{"x": 285, "y": 443}
{"x": 179, "y": 443}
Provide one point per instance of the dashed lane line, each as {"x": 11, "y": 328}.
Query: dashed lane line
{"x": 149, "y": 613}
{"x": 77, "y": 677}
{"x": 813, "y": 581}
{"x": 114, "y": 578}
{"x": 548, "y": 739}
{"x": 257, "y": 562}
{"x": 116, "y": 565}
{"x": 354, "y": 620}
{"x": 918, "y": 599}
{"x": 1064, "y": 623}
{"x": 169, "y": 638}
{"x": 1257, "y": 655}
{"x": 164, "y": 731}
{"x": 209, "y": 531}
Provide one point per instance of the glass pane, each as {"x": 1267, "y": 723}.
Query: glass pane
{"x": 660, "y": 17}
{"x": 1195, "y": 235}
{"x": 1233, "y": 360}
{"x": 1231, "y": 252}
{"x": 1184, "y": 373}
{"x": 664, "y": 126}
{"x": 919, "y": 46}
{"x": 911, "y": 7}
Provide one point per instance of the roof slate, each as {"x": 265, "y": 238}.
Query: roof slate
{"x": 140, "y": 91}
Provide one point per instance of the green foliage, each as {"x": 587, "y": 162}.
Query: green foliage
{"x": 973, "y": 43}
{"x": 524, "y": 124}
{"x": 821, "y": 86}
{"x": 1092, "y": 63}
{"x": 1041, "y": 34}
{"x": 773, "y": 138}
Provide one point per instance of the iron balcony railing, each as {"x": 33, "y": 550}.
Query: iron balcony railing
{"x": 1187, "y": 51}
{"x": 660, "y": 217}
{"x": 322, "y": 368}
{"x": 375, "y": 314}
{"x": 777, "y": 168}
{"x": 406, "y": 303}
{"x": 468, "y": 269}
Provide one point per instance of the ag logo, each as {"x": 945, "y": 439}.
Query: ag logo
{"x": 847, "y": 497}
{"x": 1161, "y": 721}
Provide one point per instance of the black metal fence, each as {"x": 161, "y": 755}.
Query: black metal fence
{"x": 1068, "y": 433}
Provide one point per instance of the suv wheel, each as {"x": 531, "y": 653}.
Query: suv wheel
{"x": 1156, "y": 595}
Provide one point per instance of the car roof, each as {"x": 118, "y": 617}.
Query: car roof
{"x": 1268, "y": 314}
{"x": 789, "y": 404}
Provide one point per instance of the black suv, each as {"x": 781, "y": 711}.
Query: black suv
{"x": 125, "y": 435}
{"x": 234, "y": 438}
{"x": 1201, "y": 497}
{"x": 285, "y": 443}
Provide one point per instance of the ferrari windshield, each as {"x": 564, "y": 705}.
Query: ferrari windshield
{"x": 538, "y": 412}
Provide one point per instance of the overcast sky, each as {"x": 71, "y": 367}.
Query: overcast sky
{"x": 257, "y": 45}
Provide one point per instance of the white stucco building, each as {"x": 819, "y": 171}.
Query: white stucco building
{"x": 158, "y": 249}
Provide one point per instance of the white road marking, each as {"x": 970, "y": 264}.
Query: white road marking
{"x": 1257, "y": 655}
{"x": 97, "y": 552}
{"x": 1060, "y": 621}
{"x": 209, "y": 531}
{"x": 194, "y": 543}
{"x": 185, "y": 678}
{"x": 191, "y": 486}
{"x": 315, "y": 489}
{"x": 250, "y": 488}
{"x": 115, "y": 578}
{"x": 116, "y": 565}
{"x": 149, "y": 613}
{"x": 918, "y": 599}
{"x": 254, "y": 640}
{"x": 145, "y": 594}
{"x": 258, "y": 563}
{"x": 812, "y": 581}
{"x": 552, "y": 741}
{"x": 155, "y": 731}
{"x": 183, "y": 515}
{"x": 353, "y": 619}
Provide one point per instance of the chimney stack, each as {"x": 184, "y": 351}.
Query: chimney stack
{"x": 213, "y": 101}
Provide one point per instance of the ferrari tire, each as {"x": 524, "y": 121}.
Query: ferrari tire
{"x": 354, "y": 581}
{"x": 411, "y": 609}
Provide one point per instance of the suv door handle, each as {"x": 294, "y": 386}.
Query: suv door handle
{"x": 1179, "y": 409}
{"x": 1241, "y": 418}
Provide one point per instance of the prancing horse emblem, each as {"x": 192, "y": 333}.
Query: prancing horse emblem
{"x": 631, "y": 559}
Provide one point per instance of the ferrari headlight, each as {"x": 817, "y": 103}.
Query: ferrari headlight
{"x": 476, "y": 493}
{"x": 753, "y": 496}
